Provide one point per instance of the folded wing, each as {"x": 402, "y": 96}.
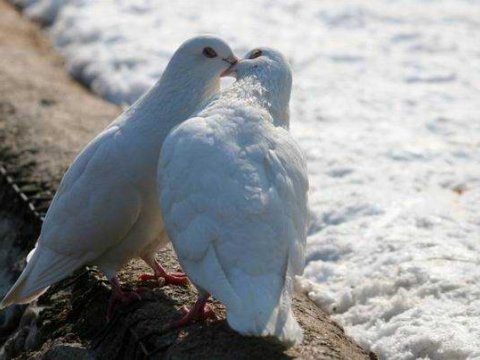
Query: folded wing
{"x": 234, "y": 197}
{"x": 94, "y": 209}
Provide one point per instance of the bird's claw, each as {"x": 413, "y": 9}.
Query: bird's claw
{"x": 206, "y": 314}
{"x": 176, "y": 278}
{"x": 147, "y": 277}
{"x": 193, "y": 315}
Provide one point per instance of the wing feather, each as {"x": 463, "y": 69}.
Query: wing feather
{"x": 234, "y": 200}
{"x": 95, "y": 205}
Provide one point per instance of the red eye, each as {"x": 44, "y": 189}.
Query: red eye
{"x": 209, "y": 52}
{"x": 255, "y": 54}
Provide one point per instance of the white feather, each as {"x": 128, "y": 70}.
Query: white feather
{"x": 43, "y": 269}
{"x": 106, "y": 211}
{"x": 233, "y": 192}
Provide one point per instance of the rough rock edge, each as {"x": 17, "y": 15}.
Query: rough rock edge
{"x": 45, "y": 118}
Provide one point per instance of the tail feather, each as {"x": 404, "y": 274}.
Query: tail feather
{"x": 44, "y": 268}
{"x": 265, "y": 311}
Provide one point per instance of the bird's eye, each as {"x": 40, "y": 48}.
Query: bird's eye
{"x": 255, "y": 54}
{"x": 209, "y": 52}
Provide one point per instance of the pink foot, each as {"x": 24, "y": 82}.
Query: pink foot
{"x": 120, "y": 297}
{"x": 167, "y": 279}
{"x": 199, "y": 312}
{"x": 146, "y": 277}
{"x": 175, "y": 278}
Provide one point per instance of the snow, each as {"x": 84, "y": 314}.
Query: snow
{"x": 386, "y": 105}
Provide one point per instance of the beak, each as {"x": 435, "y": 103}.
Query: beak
{"x": 232, "y": 60}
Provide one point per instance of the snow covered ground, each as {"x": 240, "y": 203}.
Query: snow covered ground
{"x": 386, "y": 104}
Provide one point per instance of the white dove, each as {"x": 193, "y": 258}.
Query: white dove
{"x": 106, "y": 211}
{"x": 233, "y": 192}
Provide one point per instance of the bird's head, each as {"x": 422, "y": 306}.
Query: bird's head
{"x": 193, "y": 75}
{"x": 205, "y": 55}
{"x": 270, "y": 69}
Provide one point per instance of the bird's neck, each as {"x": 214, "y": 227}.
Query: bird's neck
{"x": 266, "y": 96}
{"x": 173, "y": 99}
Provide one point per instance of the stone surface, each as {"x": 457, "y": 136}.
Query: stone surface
{"x": 45, "y": 119}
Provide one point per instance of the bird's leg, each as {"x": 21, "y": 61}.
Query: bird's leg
{"x": 176, "y": 278}
{"x": 199, "y": 312}
{"x": 119, "y": 297}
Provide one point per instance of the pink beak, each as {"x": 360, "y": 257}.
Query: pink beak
{"x": 232, "y": 61}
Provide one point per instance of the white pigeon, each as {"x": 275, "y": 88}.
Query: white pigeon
{"x": 106, "y": 211}
{"x": 233, "y": 192}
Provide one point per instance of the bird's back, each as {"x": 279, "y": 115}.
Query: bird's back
{"x": 233, "y": 194}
